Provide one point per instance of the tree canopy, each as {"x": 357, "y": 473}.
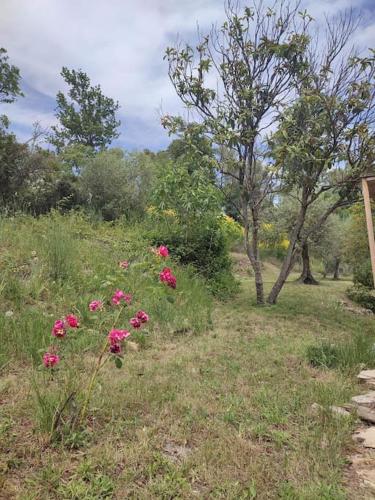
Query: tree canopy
{"x": 86, "y": 115}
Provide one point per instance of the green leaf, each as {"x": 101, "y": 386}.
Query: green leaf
{"x": 118, "y": 362}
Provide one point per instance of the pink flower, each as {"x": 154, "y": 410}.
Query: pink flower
{"x": 50, "y": 360}
{"x": 124, "y": 264}
{"x": 142, "y": 316}
{"x": 135, "y": 322}
{"x": 128, "y": 298}
{"x": 58, "y": 329}
{"x": 167, "y": 277}
{"x": 118, "y": 295}
{"x": 163, "y": 251}
{"x": 72, "y": 321}
{"x": 116, "y": 336}
{"x": 171, "y": 281}
{"x": 95, "y": 304}
{"x": 115, "y": 348}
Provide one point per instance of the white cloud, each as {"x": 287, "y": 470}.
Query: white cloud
{"x": 120, "y": 44}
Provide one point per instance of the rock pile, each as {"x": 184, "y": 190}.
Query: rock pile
{"x": 365, "y": 405}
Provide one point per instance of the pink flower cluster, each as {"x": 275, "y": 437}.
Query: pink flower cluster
{"x": 50, "y": 360}
{"x": 140, "y": 318}
{"x": 119, "y": 295}
{"x": 115, "y": 337}
{"x": 61, "y": 325}
{"x": 95, "y": 305}
{"x": 166, "y": 276}
{"x": 163, "y": 251}
{"x": 59, "y": 330}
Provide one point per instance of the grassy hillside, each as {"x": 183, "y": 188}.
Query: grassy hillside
{"x": 198, "y": 410}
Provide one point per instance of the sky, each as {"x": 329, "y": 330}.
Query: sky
{"x": 120, "y": 44}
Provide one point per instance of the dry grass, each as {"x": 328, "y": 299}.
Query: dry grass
{"x": 225, "y": 414}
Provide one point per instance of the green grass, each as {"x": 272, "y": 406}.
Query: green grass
{"x": 232, "y": 399}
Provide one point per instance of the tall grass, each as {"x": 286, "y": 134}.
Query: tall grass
{"x": 351, "y": 355}
{"x": 57, "y": 264}
{"x": 60, "y": 251}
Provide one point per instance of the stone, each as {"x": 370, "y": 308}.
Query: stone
{"x": 315, "y": 409}
{"x": 366, "y": 437}
{"x": 367, "y": 376}
{"x": 340, "y": 411}
{"x": 367, "y": 400}
{"x": 366, "y": 414}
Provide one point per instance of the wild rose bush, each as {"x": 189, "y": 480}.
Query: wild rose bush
{"x": 117, "y": 318}
{"x": 58, "y": 264}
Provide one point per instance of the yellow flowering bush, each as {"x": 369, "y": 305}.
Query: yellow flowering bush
{"x": 232, "y": 230}
{"x": 272, "y": 240}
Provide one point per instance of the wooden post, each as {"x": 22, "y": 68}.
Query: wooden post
{"x": 370, "y": 226}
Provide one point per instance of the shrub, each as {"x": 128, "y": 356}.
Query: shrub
{"x": 63, "y": 398}
{"x": 363, "y": 296}
{"x": 203, "y": 246}
{"x": 362, "y": 273}
{"x": 232, "y": 230}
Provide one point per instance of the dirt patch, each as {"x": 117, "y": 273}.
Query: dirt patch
{"x": 176, "y": 453}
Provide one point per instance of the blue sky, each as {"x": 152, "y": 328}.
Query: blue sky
{"x": 120, "y": 44}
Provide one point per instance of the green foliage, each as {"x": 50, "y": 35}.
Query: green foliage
{"x": 191, "y": 194}
{"x": 362, "y": 274}
{"x": 348, "y": 355}
{"x": 9, "y": 79}
{"x": 356, "y": 247}
{"x": 12, "y": 156}
{"x": 59, "y": 263}
{"x": 33, "y": 180}
{"x": 362, "y": 295}
{"x": 115, "y": 184}
{"x": 86, "y": 116}
{"x": 232, "y": 230}
{"x": 189, "y": 222}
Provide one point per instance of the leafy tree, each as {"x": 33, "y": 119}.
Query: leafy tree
{"x": 12, "y": 156}
{"x": 255, "y": 57}
{"x": 115, "y": 184}
{"x": 9, "y": 79}
{"x": 331, "y": 247}
{"x": 86, "y": 115}
{"x": 9, "y": 91}
{"x": 325, "y": 140}
{"x": 32, "y": 179}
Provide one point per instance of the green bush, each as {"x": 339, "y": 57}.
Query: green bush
{"x": 204, "y": 247}
{"x": 362, "y": 274}
{"x": 363, "y": 296}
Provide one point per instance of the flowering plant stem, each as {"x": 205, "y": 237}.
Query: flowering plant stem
{"x": 100, "y": 363}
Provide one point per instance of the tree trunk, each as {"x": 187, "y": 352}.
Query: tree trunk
{"x": 306, "y": 277}
{"x": 288, "y": 262}
{"x": 252, "y": 251}
{"x": 336, "y": 272}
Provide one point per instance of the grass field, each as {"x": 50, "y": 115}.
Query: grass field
{"x": 221, "y": 413}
